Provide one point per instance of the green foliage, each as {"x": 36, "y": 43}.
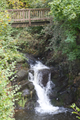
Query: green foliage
{"x": 65, "y": 10}
{"x": 76, "y": 110}
{"x": 35, "y": 3}
{"x": 72, "y": 49}
{"x": 21, "y": 101}
{"x": 40, "y": 3}
{"x": 67, "y": 14}
{"x": 28, "y": 39}
{"x": 8, "y": 58}
{"x": 13, "y": 4}
{"x": 3, "y": 4}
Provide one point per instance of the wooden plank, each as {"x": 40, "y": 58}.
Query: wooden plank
{"x": 29, "y": 17}
{"x": 23, "y": 16}
{"x": 20, "y": 19}
{"x": 26, "y": 24}
{"x": 45, "y": 18}
{"x": 28, "y": 9}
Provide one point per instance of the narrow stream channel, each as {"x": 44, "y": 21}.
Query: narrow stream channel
{"x": 44, "y": 109}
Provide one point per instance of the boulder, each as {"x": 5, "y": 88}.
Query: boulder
{"x": 53, "y": 94}
{"x": 30, "y": 104}
{"x": 30, "y": 59}
{"x": 31, "y": 86}
{"x": 22, "y": 74}
{"x": 44, "y": 73}
{"x": 26, "y": 92}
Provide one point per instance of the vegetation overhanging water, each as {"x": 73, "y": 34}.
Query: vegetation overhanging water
{"x": 59, "y": 42}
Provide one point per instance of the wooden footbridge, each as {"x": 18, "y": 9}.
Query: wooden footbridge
{"x": 29, "y": 17}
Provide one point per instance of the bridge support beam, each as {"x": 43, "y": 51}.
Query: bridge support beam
{"x": 26, "y": 24}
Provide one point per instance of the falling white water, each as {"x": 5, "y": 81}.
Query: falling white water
{"x": 45, "y": 105}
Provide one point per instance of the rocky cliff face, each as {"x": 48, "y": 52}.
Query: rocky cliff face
{"x": 67, "y": 85}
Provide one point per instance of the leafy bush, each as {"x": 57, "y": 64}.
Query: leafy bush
{"x": 14, "y": 4}
{"x": 28, "y": 40}
{"x": 67, "y": 14}
{"x": 41, "y": 3}
{"x": 8, "y": 57}
{"x": 65, "y": 10}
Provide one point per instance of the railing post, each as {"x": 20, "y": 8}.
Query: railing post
{"x": 29, "y": 17}
{"x": 43, "y": 13}
{"x": 23, "y": 16}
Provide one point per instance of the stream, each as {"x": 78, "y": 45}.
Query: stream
{"x": 31, "y": 115}
{"x": 43, "y": 110}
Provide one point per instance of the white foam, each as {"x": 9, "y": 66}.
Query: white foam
{"x": 45, "y": 105}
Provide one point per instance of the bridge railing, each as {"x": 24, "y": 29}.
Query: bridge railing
{"x": 23, "y": 15}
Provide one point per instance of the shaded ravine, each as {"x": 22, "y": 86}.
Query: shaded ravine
{"x": 44, "y": 110}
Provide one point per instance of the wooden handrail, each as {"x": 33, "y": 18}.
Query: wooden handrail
{"x": 22, "y": 15}
{"x": 28, "y": 9}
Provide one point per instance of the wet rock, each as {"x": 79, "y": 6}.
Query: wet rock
{"x": 79, "y": 74}
{"x": 67, "y": 98}
{"x": 30, "y": 59}
{"x": 23, "y": 84}
{"x": 53, "y": 71}
{"x": 52, "y": 85}
{"x": 62, "y": 86}
{"x": 22, "y": 74}
{"x": 30, "y": 104}
{"x": 30, "y": 72}
{"x": 26, "y": 92}
{"x": 53, "y": 94}
{"x": 44, "y": 76}
{"x": 31, "y": 86}
{"x": 78, "y": 102}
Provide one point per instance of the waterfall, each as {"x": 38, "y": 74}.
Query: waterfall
{"x": 42, "y": 91}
